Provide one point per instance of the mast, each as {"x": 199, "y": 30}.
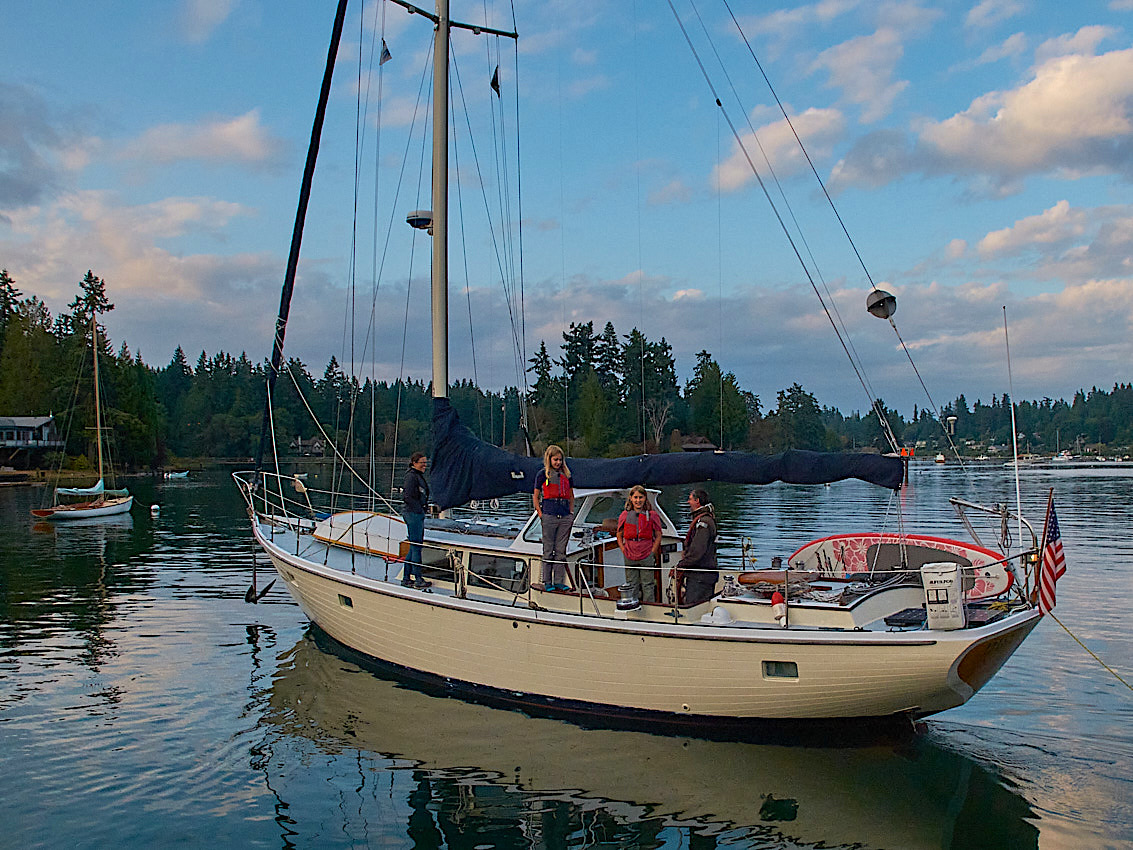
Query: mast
{"x": 297, "y": 231}
{"x": 97, "y": 405}
{"x": 439, "y": 275}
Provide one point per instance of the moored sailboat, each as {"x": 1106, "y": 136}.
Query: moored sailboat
{"x": 854, "y": 626}
{"x": 94, "y": 501}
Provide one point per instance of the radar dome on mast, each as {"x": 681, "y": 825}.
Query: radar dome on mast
{"x": 881, "y": 304}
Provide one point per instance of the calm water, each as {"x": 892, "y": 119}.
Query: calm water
{"x": 143, "y": 703}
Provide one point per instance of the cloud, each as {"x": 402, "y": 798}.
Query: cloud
{"x": 1073, "y": 118}
{"x": 864, "y": 68}
{"x": 200, "y": 18}
{"x": 818, "y": 128}
{"x": 1012, "y": 46}
{"x": 241, "y": 140}
{"x": 988, "y": 13}
{"x": 876, "y": 159}
{"x": 785, "y": 22}
{"x": 1084, "y": 42}
{"x": 38, "y": 149}
{"x": 676, "y": 191}
{"x": 956, "y": 249}
{"x": 1055, "y": 225}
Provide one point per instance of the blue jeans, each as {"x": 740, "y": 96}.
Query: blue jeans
{"x": 415, "y": 531}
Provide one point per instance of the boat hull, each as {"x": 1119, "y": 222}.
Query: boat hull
{"x": 86, "y": 510}
{"x": 692, "y": 674}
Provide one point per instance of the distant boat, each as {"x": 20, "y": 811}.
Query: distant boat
{"x": 97, "y": 501}
{"x": 184, "y": 474}
{"x": 939, "y": 458}
{"x": 1025, "y": 460}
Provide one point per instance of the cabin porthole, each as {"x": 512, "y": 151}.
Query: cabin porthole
{"x": 515, "y": 625}
{"x": 345, "y": 601}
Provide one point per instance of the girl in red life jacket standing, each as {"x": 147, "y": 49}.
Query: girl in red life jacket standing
{"x": 639, "y": 537}
{"x": 554, "y": 502}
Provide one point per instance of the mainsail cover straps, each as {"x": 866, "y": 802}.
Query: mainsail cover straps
{"x": 465, "y": 468}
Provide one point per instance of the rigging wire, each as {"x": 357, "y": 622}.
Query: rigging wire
{"x": 522, "y": 366}
{"x": 779, "y": 218}
{"x": 500, "y": 252}
{"x": 845, "y": 230}
{"x": 408, "y": 291}
{"x": 640, "y": 259}
{"x": 379, "y": 31}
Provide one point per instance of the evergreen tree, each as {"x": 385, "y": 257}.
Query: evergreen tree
{"x": 9, "y": 300}
{"x": 717, "y": 408}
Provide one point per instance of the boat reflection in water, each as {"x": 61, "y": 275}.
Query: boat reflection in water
{"x": 477, "y": 774}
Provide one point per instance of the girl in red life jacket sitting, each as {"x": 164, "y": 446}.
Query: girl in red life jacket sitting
{"x": 554, "y": 502}
{"x": 639, "y": 537}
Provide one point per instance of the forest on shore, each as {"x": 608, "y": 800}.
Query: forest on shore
{"x": 600, "y": 393}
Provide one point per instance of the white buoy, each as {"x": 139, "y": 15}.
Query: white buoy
{"x": 154, "y": 510}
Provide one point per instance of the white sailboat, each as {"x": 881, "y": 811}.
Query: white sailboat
{"x": 867, "y": 625}
{"x": 95, "y": 501}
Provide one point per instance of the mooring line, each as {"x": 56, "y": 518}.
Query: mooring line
{"x": 1112, "y": 672}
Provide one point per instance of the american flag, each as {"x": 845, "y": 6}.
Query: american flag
{"x": 1053, "y": 560}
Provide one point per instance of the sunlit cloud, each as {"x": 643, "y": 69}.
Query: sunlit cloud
{"x": 240, "y": 140}
{"x": 818, "y": 128}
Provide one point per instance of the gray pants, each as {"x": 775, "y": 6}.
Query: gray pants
{"x": 556, "y": 537}
{"x": 641, "y": 575}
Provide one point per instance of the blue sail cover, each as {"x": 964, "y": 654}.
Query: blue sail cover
{"x": 465, "y": 468}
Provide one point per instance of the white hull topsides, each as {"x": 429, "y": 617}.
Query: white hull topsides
{"x": 723, "y": 659}
{"x": 87, "y": 510}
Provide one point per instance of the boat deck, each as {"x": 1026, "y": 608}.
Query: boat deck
{"x": 823, "y": 604}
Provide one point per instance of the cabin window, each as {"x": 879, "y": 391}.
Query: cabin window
{"x": 498, "y": 571}
{"x": 603, "y": 507}
{"x": 345, "y": 601}
{"x": 780, "y": 670}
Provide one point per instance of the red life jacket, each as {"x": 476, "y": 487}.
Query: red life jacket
{"x": 559, "y": 490}
{"x": 640, "y": 530}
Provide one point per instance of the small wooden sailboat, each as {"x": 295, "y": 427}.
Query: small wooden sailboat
{"x": 95, "y": 501}
{"x": 907, "y": 627}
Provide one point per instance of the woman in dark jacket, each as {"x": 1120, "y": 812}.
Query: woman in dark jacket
{"x": 415, "y": 495}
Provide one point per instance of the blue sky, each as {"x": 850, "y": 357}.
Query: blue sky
{"x": 980, "y": 155}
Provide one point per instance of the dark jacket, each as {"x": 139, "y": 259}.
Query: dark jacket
{"x": 414, "y": 492}
{"x": 700, "y": 541}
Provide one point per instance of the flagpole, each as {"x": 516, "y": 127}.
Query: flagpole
{"x": 1041, "y": 565}
{"x": 1014, "y": 442}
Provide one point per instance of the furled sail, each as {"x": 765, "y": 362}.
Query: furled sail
{"x": 465, "y": 468}
{"x": 94, "y": 490}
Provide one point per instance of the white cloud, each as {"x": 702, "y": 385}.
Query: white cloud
{"x": 1058, "y": 224}
{"x": 676, "y": 191}
{"x": 784, "y": 22}
{"x": 818, "y": 128}
{"x": 864, "y": 69}
{"x": 1083, "y": 42}
{"x": 988, "y": 13}
{"x": 1013, "y": 45}
{"x": 242, "y": 140}
{"x": 200, "y": 18}
{"x": 1073, "y": 117}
